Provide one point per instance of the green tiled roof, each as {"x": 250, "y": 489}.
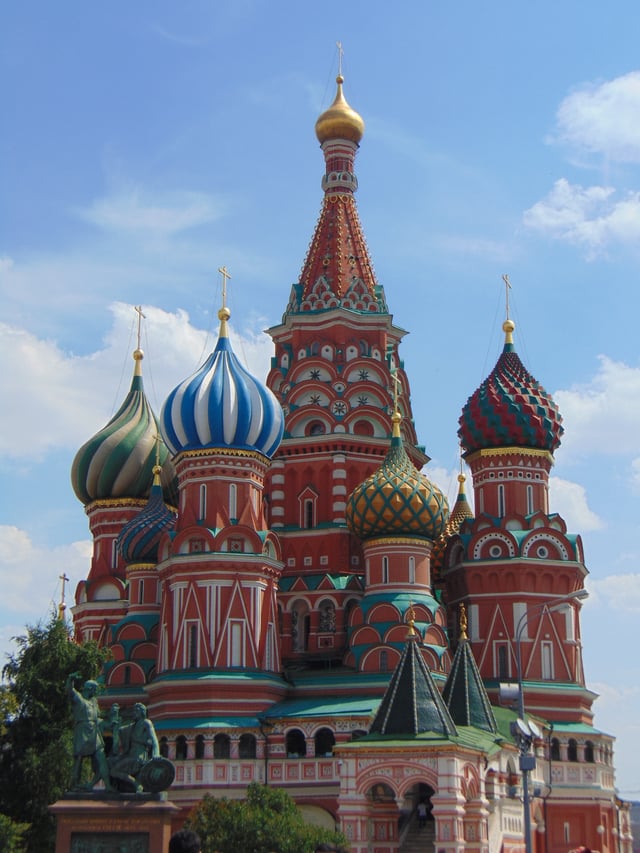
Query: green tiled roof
{"x": 412, "y": 703}
{"x": 465, "y": 693}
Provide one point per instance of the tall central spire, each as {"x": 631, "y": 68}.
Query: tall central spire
{"x": 337, "y": 271}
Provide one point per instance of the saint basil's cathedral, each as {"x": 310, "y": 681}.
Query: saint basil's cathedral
{"x": 297, "y": 604}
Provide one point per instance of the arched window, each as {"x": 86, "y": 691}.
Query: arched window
{"x": 296, "y": 744}
{"x": 308, "y": 514}
{"x": 317, "y": 428}
{"x": 324, "y": 742}
{"x": 384, "y": 661}
{"x": 588, "y": 752}
{"x": 181, "y": 748}
{"x": 555, "y": 749}
{"x": 221, "y": 746}
{"x": 164, "y": 747}
{"x": 572, "y": 751}
{"x": 247, "y": 746}
{"x": 200, "y": 746}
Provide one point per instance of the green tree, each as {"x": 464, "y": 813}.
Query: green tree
{"x": 268, "y": 820}
{"x": 35, "y": 738}
{"x": 12, "y": 835}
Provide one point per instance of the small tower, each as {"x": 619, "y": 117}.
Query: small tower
{"x": 219, "y": 568}
{"x": 112, "y": 475}
{"x": 515, "y": 562}
{"x": 334, "y": 371}
{"x": 397, "y": 513}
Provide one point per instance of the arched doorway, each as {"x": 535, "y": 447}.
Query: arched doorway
{"x": 417, "y": 825}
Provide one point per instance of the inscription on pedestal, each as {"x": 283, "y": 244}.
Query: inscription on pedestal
{"x": 109, "y": 842}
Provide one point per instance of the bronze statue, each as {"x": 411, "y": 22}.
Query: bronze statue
{"x": 88, "y": 741}
{"x": 137, "y": 743}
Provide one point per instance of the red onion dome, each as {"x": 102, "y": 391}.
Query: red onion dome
{"x": 510, "y": 408}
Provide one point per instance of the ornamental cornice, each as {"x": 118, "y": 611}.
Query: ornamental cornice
{"x": 398, "y": 540}
{"x": 513, "y": 450}
{"x": 140, "y": 567}
{"x": 114, "y": 503}
{"x": 219, "y": 451}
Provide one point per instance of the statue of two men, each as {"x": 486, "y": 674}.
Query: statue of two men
{"x": 134, "y": 744}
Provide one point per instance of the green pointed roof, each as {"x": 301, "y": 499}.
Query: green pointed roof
{"x": 412, "y": 704}
{"x": 465, "y": 694}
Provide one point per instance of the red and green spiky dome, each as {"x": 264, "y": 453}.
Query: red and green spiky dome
{"x": 397, "y": 500}
{"x": 510, "y": 408}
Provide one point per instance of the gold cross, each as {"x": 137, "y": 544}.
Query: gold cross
{"x": 225, "y": 275}
{"x": 507, "y": 283}
{"x": 141, "y": 317}
{"x": 62, "y": 606}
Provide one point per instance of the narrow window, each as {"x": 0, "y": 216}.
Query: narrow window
{"x": 502, "y": 660}
{"x": 555, "y": 749}
{"x": 247, "y": 746}
{"x": 237, "y": 644}
{"x": 308, "y": 514}
{"x": 547, "y": 660}
{"x": 529, "y": 500}
{"x": 412, "y": 569}
{"x": 500, "y": 501}
{"x": 141, "y": 591}
{"x": 567, "y": 832}
{"x": 202, "y": 514}
{"x": 114, "y": 554}
{"x": 181, "y": 748}
{"x": 384, "y": 661}
{"x": 200, "y": 746}
{"x": 385, "y": 570}
{"x": 588, "y": 752}
{"x": 520, "y": 621}
{"x": 193, "y": 645}
{"x": 233, "y": 501}
{"x": 474, "y": 621}
{"x": 570, "y": 623}
{"x": 481, "y": 499}
{"x": 572, "y": 750}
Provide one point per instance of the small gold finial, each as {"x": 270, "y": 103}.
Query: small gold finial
{"x": 224, "y": 313}
{"x": 411, "y": 621}
{"x": 157, "y": 468}
{"x": 463, "y": 623}
{"x": 62, "y": 606}
{"x": 138, "y": 354}
{"x": 508, "y": 326}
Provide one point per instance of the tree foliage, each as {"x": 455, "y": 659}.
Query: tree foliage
{"x": 268, "y": 821}
{"x": 12, "y": 835}
{"x": 35, "y": 731}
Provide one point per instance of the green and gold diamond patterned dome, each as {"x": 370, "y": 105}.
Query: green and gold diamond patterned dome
{"x": 397, "y": 500}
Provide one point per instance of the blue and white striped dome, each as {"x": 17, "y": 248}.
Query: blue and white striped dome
{"x": 222, "y": 405}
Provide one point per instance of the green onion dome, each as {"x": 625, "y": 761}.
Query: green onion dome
{"x": 118, "y": 461}
{"x": 397, "y": 500}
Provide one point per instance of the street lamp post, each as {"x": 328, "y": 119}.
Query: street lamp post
{"x": 524, "y": 736}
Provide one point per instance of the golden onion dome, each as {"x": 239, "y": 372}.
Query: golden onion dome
{"x": 340, "y": 121}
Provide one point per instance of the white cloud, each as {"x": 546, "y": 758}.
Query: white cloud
{"x": 616, "y": 592}
{"x": 586, "y": 216}
{"x": 570, "y": 501}
{"x": 603, "y": 118}
{"x": 29, "y": 574}
{"x": 56, "y": 399}
{"x": 603, "y": 415}
{"x": 163, "y": 215}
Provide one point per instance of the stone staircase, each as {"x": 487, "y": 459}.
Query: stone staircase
{"x": 418, "y": 840}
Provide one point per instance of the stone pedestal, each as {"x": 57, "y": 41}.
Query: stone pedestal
{"x": 113, "y": 824}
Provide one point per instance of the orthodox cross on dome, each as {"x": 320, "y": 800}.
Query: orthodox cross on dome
{"x": 340, "y": 55}
{"x": 507, "y": 287}
{"x": 224, "y": 272}
{"x": 62, "y": 606}
{"x": 141, "y": 317}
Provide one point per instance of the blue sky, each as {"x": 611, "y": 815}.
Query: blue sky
{"x": 144, "y": 145}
